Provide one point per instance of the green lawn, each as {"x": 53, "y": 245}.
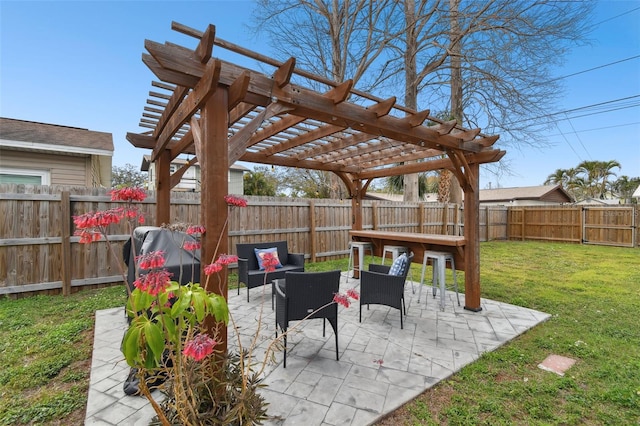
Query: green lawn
{"x": 592, "y": 292}
{"x": 593, "y": 295}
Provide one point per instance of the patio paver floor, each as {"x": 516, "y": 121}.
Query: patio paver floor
{"x": 381, "y": 367}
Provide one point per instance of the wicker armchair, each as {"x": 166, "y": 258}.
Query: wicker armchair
{"x": 377, "y": 287}
{"x": 300, "y": 294}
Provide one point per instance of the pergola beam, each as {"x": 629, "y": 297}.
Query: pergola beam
{"x": 426, "y": 166}
{"x": 174, "y": 102}
{"x": 177, "y": 59}
{"x": 340, "y": 144}
{"x": 192, "y": 103}
{"x": 239, "y": 143}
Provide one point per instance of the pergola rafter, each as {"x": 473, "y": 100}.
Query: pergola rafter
{"x": 206, "y": 106}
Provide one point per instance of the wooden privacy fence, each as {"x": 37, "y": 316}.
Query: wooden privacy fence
{"x": 602, "y": 225}
{"x": 39, "y": 253}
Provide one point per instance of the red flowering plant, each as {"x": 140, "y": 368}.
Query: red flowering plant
{"x": 166, "y": 337}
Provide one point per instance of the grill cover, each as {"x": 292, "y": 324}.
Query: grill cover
{"x": 184, "y": 265}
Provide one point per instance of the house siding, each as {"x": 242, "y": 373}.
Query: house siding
{"x": 63, "y": 169}
{"x": 190, "y": 180}
{"x": 236, "y": 182}
{"x": 555, "y": 197}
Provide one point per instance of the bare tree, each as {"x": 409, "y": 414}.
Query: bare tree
{"x": 487, "y": 63}
{"x": 127, "y": 175}
{"x": 309, "y": 183}
{"x": 339, "y": 40}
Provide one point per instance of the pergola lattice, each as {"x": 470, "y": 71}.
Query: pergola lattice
{"x": 222, "y": 113}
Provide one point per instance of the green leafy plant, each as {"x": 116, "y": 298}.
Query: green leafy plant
{"x": 170, "y": 339}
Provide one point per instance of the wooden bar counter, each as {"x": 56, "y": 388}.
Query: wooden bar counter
{"x": 418, "y": 243}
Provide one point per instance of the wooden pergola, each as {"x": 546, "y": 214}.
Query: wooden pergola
{"x": 222, "y": 113}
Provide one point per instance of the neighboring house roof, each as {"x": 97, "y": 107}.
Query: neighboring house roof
{"x": 146, "y": 162}
{"x": 384, "y": 196}
{"x": 549, "y": 193}
{"x": 636, "y": 193}
{"x": 31, "y": 135}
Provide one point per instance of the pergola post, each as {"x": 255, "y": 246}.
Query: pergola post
{"x": 163, "y": 188}
{"x": 356, "y": 206}
{"x": 214, "y": 166}
{"x": 472, "y": 240}
{"x": 356, "y": 219}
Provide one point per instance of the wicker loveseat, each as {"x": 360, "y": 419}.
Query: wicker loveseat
{"x": 252, "y": 276}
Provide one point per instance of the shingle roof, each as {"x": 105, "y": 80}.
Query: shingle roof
{"x": 523, "y": 193}
{"x": 54, "y": 134}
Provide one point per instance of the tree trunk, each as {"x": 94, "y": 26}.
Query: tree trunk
{"x": 411, "y": 192}
{"x": 455, "y": 191}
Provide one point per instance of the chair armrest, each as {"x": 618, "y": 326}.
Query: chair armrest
{"x": 243, "y": 270}
{"x": 281, "y": 309}
{"x": 383, "y": 269}
{"x": 296, "y": 259}
{"x": 278, "y": 284}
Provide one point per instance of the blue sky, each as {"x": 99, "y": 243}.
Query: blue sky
{"x": 79, "y": 64}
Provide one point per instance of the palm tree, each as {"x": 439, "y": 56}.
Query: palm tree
{"x": 556, "y": 178}
{"x": 568, "y": 179}
{"x": 395, "y": 184}
{"x": 596, "y": 175}
{"x": 624, "y": 187}
{"x": 606, "y": 172}
{"x": 573, "y": 183}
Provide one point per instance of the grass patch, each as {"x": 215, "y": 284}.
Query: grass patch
{"x": 45, "y": 353}
{"x": 592, "y": 293}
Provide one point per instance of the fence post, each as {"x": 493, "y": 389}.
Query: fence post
{"x": 636, "y": 234}
{"x": 486, "y": 223}
{"x": 65, "y": 208}
{"x": 312, "y": 230}
{"x": 445, "y": 218}
{"x": 374, "y": 215}
{"x": 582, "y": 224}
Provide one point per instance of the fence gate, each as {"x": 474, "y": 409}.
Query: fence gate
{"x": 609, "y": 226}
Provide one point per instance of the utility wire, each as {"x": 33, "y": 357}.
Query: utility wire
{"x": 587, "y": 107}
{"x": 602, "y": 128}
{"x": 569, "y": 143}
{"x": 593, "y": 69}
{"x": 578, "y": 137}
{"x": 617, "y": 16}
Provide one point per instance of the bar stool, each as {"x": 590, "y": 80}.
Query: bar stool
{"x": 439, "y": 261}
{"x": 361, "y": 246}
{"x": 395, "y": 252}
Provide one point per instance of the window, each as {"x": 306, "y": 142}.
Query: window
{"x": 24, "y": 176}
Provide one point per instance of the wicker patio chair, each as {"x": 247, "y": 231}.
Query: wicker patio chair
{"x": 378, "y": 287}
{"x": 307, "y": 295}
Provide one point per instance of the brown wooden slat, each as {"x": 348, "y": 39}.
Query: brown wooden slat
{"x": 169, "y": 76}
{"x": 205, "y": 47}
{"x": 194, "y": 100}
